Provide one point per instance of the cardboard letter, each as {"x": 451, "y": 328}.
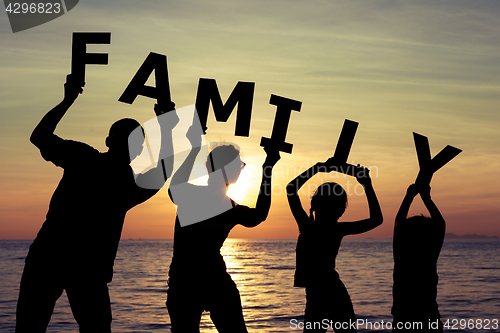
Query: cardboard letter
{"x": 424, "y": 154}
{"x": 345, "y": 141}
{"x": 343, "y": 149}
{"x": 423, "y": 150}
{"x": 80, "y": 57}
{"x": 241, "y": 94}
{"x": 161, "y": 92}
{"x": 285, "y": 106}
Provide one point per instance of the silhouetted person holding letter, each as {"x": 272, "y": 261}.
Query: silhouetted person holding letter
{"x": 417, "y": 243}
{"x": 77, "y": 244}
{"x": 320, "y": 235}
{"x": 198, "y": 280}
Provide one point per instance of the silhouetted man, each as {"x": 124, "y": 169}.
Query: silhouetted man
{"x": 77, "y": 244}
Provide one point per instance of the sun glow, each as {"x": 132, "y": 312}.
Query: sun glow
{"x": 239, "y": 190}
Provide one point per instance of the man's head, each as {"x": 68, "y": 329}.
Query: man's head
{"x": 125, "y": 138}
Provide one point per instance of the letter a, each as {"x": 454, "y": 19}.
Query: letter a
{"x": 161, "y": 92}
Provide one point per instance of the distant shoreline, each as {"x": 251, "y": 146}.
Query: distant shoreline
{"x": 448, "y": 235}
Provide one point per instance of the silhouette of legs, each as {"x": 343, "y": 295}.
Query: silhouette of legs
{"x": 91, "y": 306}
{"x": 331, "y": 303}
{"x": 38, "y": 294}
{"x": 226, "y": 311}
{"x": 186, "y": 303}
{"x": 184, "y": 309}
{"x": 41, "y": 286}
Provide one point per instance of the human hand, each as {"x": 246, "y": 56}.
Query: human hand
{"x": 423, "y": 178}
{"x": 425, "y": 192}
{"x": 194, "y": 134}
{"x": 273, "y": 156}
{"x": 328, "y": 165}
{"x": 412, "y": 190}
{"x": 363, "y": 176}
{"x": 167, "y": 117}
{"x": 72, "y": 88}
{"x": 423, "y": 182}
{"x": 164, "y": 108}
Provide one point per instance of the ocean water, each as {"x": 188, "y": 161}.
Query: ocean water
{"x": 469, "y": 285}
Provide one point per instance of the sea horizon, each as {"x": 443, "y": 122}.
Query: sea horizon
{"x": 469, "y": 283}
{"x": 448, "y": 235}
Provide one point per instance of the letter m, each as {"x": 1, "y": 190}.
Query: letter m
{"x": 242, "y": 95}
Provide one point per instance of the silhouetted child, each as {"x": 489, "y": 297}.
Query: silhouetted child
{"x": 205, "y": 216}
{"x": 417, "y": 244}
{"x": 77, "y": 244}
{"x": 320, "y": 235}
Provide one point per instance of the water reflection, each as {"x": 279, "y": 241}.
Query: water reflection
{"x": 469, "y": 285}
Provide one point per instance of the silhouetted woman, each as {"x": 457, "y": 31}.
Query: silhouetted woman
{"x": 320, "y": 235}
{"x": 205, "y": 216}
{"x": 417, "y": 243}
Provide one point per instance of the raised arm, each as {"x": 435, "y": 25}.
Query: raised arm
{"x": 422, "y": 183}
{"x": 182, "y": 174}
{"x": 264, "y": 199}
{"x": 376, "y": 218}
{"x": 411, "y": 192}
{"x": 156, "y": 177}
{"x": 46, "y": 127}
{"x": 293, "y": 188}
{"x": 259, "y": 214}
{"x": 439, "y": 222}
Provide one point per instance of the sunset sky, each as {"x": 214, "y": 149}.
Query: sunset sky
{"x": 393, "y": 66}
